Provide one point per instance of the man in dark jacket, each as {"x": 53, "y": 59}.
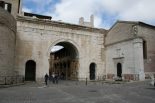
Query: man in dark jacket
{"x": 46, "y": 78}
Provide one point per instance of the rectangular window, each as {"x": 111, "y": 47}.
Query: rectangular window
{"x": 9, "y": 7}
{"x": 2, "y": 4}
{"x": 6, "y": 6}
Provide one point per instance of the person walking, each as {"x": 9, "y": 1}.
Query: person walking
{"x": 46, "y": 78}
{"x": 53, "y": 77}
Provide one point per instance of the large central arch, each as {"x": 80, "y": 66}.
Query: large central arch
{"x": 65, "y": 62}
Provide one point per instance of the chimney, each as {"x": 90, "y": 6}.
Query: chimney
{"x": 85, "y": 23}
{"x": 92, "y": 20}
{"x": 81, "y": 21}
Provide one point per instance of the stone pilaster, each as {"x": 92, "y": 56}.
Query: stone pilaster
{"x": 138, "y": 58}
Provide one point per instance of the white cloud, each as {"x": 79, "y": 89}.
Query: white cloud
{"x": 142, "y": 11}
{"x": 133, "y": 10}
{"x": 72, "y": 10}
{"x": 26, "y": 10}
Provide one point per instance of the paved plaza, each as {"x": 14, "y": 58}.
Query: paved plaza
{"x": 78, "y": 92}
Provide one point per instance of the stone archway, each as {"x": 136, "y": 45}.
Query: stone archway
{"x": 64, "y": 61}
{"x": 92, "y": 71}
{"x": 30, "y": 70}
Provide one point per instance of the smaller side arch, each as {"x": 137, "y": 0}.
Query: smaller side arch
{"x": 30, "y": 70}
{"x": 92, "y": 71}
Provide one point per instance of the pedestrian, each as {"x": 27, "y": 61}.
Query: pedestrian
{"x": 46, "y": 78}
{"x": 53, "y": 77}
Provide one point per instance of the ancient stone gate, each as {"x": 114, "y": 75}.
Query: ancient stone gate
{"x": 82, "y": 46}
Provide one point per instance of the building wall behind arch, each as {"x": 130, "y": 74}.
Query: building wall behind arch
{"x": 35, "y": 36}
{"x": 129, "y": 54}
{"x": 148, "y": 34}
{"x": 132, "y": 48}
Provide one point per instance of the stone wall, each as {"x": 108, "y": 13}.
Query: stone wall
{"x": 148, "y": 34}
{"x": 121, "y": 31}
{"x": 129, "y": 54}
{"x": 7, "y": 43}
{"x": 125, "y": 47}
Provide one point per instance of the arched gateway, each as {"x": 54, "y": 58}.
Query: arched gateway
{"x": 64, "y": 61}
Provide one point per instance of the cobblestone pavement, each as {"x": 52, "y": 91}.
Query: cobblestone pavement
{"x": 78, "y": 92}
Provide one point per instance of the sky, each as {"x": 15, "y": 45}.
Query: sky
{"x": 106, "y": 12}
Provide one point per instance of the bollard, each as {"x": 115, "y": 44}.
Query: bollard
{"x": 86, "y": 81}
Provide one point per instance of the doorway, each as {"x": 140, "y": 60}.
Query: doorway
{"x": 119, "y": 70}
{"x": 92, "y": 68}
{"x": 30, "y": 70}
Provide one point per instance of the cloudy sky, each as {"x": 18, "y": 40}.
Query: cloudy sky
{"x": 106, "y": 12}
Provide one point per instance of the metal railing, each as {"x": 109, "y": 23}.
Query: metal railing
{"x": 81, "y": 81}
{"x": 10, "y": 80}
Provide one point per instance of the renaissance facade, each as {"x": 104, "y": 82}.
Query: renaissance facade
{"x": 126, "y": 51}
